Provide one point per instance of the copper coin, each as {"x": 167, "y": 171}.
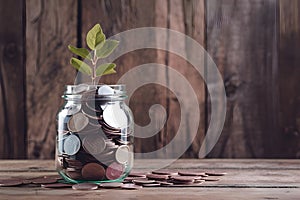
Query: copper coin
{"x": 111, "y": 185}
{"x": 164, "y": 183}
{"x": 109, "y": 128}
{"x": 78, "y": 122}
{"x": 181, "y": 182}
{"x": 215, "y": 173}
{"x": 74, "y": 163}
{"x": 85, "y": 186}
{"x": 165, "y": 172}
{"x": 137, "y": 174}
{"x": 57, "y": 185}
{"x": 199, "y": 181}
{"x": 129, "y": 179}
{"x": 190, "y": 173}
{"x": 76, "y": 175}
{"x": 151, "y": 185}
{"x": 185, "y": 179}
{"x": 71, "y": 145}
{"x": 94, "y": 144}
{"x": 44, "y": 180}
{"x": 114, "y": 171}
{"x": 157, "y": 177}
{"x": 130, "y": 186}
{"x": 210, "y": 179}
{"x": 122, "y": 154}
{"x": 93, "y": 171}
{"x": 143, "y": 181}
{"x": 10, "y": 182}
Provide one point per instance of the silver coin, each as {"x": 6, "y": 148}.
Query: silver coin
{"x": 105, "y": 90}
{"x": 114, "y": 116}
{"x": 78, "y": 122}
{"x": 71, "y": 145}
{"x": 122, "y": 154}
{"x": 61, "y": 140}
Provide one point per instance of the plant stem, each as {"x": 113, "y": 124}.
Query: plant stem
{"x": 94, "y": 62}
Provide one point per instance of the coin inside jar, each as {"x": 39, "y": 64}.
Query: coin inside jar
{"x": 114, "y": 116}
{"x": 122, "y": 154}
{"x": 93, "y": 171}
{"x": 71, "y": 145}
{"x": 114, "y": 171}
{"x": 94, "y": 144}
{"x": 105, "y": 90}
{"x": 78, "y": 122}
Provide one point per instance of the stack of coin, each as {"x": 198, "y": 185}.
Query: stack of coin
{"x": 171, "y": 178}
{"x": 94, "y": 141}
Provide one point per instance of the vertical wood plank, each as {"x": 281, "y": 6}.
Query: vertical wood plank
{"x": 188, "y": 18}
{"x": 116, "y": 16}
{"x": 289, "y": 70}
{"x": 51, "y": 26}
{"x": 12, "y": 78}
{"x": 241, "y": 38}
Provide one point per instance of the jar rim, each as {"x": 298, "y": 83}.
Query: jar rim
{"x": 116, "y": 91}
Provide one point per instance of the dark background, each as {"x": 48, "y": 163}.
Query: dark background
{"x": 255, "y": 44}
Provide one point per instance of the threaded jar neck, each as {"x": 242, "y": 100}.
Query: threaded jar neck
{"x": 85, "y": 92}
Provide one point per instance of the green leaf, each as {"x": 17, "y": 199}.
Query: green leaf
{"x": 81, "y": 66}
{"x": 95, "y": 37}
{"x": 82, "y": 52}
{"x": 106, "y": 68}
{"x": 107, "y": 48}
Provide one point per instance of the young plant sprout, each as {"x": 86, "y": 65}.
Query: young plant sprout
{"x": 100, "y": 48}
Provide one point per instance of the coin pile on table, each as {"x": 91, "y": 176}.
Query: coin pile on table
{"x": 168, "y": 178}
{"x": 94, "y": 137}
{"x": 161, "y": 178}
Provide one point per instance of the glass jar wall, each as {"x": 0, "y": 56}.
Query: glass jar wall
{"x": 94, "y": 134}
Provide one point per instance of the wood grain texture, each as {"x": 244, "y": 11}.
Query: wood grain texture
{"x": 186, "y": 17}
{"x": 115, "y": 17}
{"x": 289, "y": 71}
{"x": 241, "y": 38}
{"x": 246, "y": 179}
{"x": 51, "y": 26}
{"x": 12, "y": 78}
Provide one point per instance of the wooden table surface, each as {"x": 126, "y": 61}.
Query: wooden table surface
{"x": 246, "y": 179}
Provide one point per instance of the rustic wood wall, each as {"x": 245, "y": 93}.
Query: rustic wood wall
{"x": 255, "y": 44}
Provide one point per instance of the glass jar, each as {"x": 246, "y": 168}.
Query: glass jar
{"x": 94, "y": 134}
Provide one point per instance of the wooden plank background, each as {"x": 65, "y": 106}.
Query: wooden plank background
{"x": 241, "y": 37}
{"x": 12, "y": 80}
{"x": 255, "y": 44}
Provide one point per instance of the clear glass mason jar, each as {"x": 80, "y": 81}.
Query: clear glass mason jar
{"x": 94, "y": 134}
